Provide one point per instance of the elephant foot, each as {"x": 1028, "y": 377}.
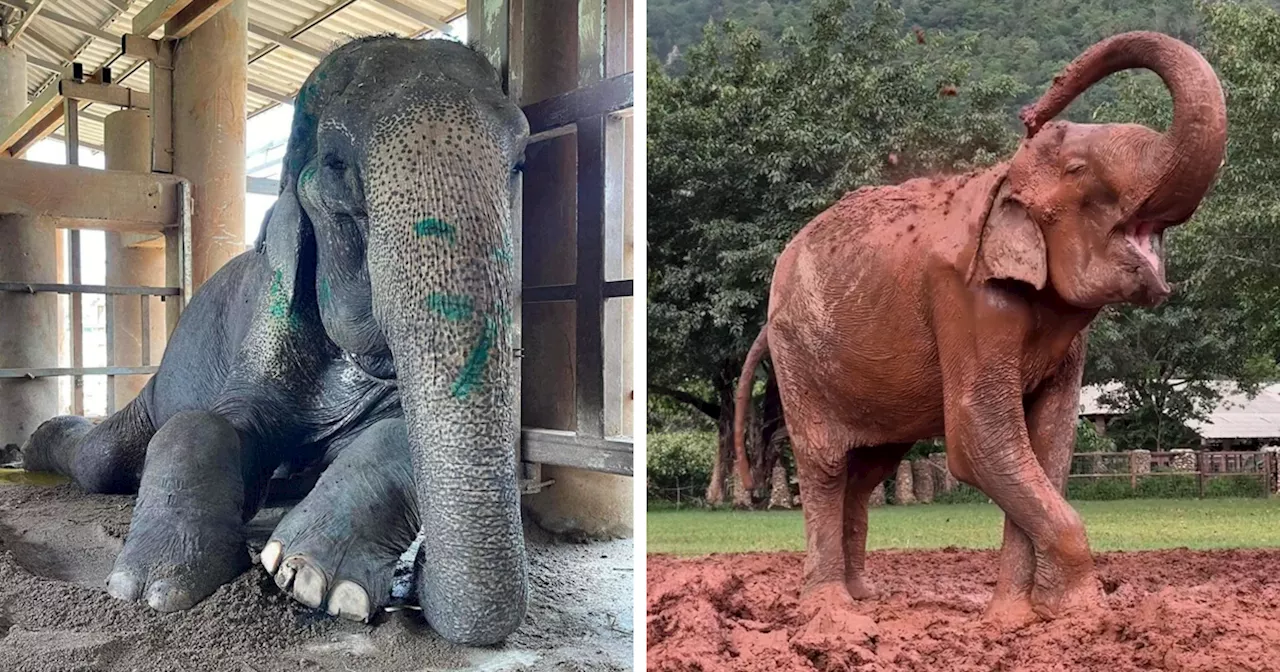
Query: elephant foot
{"x": 339, "y": 547}
{"x": 829, "y": 612}
{"x": 52, "y": 446}
{"x": 861, "y": 589}
{"x": 1072, "y": 594}
{"x": 1011, "y": 613}
{"x": 186, "y": 537}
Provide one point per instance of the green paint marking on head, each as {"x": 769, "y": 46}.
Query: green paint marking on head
{"x": 476, "y": 361}
{"x": 325, "y": 293}
{"x": 453, "y": 307}
{"x": 435, "y": 227}
{"x": 307, "y": 175}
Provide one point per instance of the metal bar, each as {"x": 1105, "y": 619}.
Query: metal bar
{"x": 146, "y": 329}
{"x": 71, "y": 129}
{"x": 63, "y": 288}
{"x": 549, "y": 293}
{"x": 613, "y": 455}
{"x": 30, "y": 13}
{"x": 601, "y": 98}
{"x": 110, "y": 307}
{"x": 306, "y": 25}
{"x": 262, "y": 185}
{"x": 416, "y": 15}
{"x": 269, "y": 94}
{"x": 285, "y": 41}
{"x": 79, "y": 371}
{"x": 589, "y": 357}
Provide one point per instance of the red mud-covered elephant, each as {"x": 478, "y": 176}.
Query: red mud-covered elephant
{"x": 958, "y": 306}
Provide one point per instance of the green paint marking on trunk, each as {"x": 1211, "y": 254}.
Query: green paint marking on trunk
{"x": 503, "y": 252}
{"x": 453, "y": 307}
{"x": 476, "y": 361}
{"x": 279, "y": 305}
{"x": 435, "y": 227}
{"x": 326, "y": 293}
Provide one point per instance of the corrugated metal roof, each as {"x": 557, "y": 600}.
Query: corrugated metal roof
{"x": 88, "y": 32}
{"x": 1237, "y": 416}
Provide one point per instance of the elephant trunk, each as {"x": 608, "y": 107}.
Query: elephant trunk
{"x": 443, "y": 287}
{"x": 1188, "y": 158}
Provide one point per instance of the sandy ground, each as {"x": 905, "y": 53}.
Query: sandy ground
{"x": 1166, "y": 610}
{"x": 57, "y": 546}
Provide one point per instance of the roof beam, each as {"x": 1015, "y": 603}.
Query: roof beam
{"x": 192, "y": 17}
{"x": 285, "y": 41}
{"x": 109, "y": 94}
{"x": 416, "y": 15}
{"x": 269, "y": 94}
{"x": 22, "y": 24}
{"x": 67, "y": 21}
{"x": 154, "y": 15}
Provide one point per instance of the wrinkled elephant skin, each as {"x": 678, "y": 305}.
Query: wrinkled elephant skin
{"x": 959, "y": 306}
{"x": 366, "y": 335}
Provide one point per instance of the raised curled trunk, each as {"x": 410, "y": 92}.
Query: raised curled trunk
{"x": 443, "y": 287}
{"x": 1184, "y": 165}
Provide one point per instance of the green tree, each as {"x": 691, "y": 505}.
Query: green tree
{"x": 1225, "y": 262}
{"x": 752, "y": 141}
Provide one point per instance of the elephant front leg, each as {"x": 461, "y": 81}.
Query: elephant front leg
{"x": 339, "y": 547}
{"x": 1051, "y": 420}
{"x": 186, "y": 537}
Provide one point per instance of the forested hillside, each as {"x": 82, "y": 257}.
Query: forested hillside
{"x": 1029, "y": 39}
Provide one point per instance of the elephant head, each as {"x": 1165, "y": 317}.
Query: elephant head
{"x": 392, "y": 228}
{"x": 1084, "y": 206}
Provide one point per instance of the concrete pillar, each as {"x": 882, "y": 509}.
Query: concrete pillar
{"x": 29, "y": 328}
{"x": 13, "y": 83}
{"x": 133, "y": 259}
{"x": 209, "y": 79}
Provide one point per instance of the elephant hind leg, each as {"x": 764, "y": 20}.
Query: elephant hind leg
{"x": 338, "y": 548}
{"x": 104, "y": 458}
{"x": 868, "y": 467}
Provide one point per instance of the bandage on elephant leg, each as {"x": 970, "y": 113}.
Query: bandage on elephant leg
{"x": 867, "y": 468}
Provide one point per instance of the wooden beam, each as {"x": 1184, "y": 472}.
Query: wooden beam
{"x": 156, "y": 14}
{"x": 22, "y": 24}
{"x": 109, "y": 94}
{"x": 192, "y": 17}
{"x": 86, "y": 198}
{"x": 40, "y": 117}
{"x": 285, "y": 41}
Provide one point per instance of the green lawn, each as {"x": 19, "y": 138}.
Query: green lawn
{"x": 1134, "y": 524}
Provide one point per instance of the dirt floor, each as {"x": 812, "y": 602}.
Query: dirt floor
{"x": 1166, "y": 610}
{"x": 57, "y": 546}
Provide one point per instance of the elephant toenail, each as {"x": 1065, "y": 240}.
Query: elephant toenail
{"x": 309, "y": 586}
{"x": 124, "y": 586}
{"x": 271, "y": 556}
{"x": 284, "y": 577}
{"x": 349, "y": 601}
{"x": 165, "y": 596}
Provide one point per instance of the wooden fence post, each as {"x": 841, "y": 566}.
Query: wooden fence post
{"x": 1133, "y": 472}
{"x": 1200, "y": 472}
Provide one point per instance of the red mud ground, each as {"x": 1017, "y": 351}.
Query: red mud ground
{"x": 1166, "y": 610}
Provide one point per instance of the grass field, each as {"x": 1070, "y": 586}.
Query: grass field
{"x": 1130, "y": 525}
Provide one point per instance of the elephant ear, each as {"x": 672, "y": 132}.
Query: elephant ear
{"x": 285, "y": 240}
{"x": 1011, "y": 246}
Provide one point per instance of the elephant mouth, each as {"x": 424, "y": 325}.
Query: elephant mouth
{"x": 1146, "y": 239}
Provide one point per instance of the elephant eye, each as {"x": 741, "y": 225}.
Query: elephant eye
{"x": 334, "y": 162}
{"x": 1075, "y": 166}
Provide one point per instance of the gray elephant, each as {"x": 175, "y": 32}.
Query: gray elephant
{"x": 368, "y": 332}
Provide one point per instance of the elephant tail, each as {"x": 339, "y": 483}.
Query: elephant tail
{"x": 743, "y": 400}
